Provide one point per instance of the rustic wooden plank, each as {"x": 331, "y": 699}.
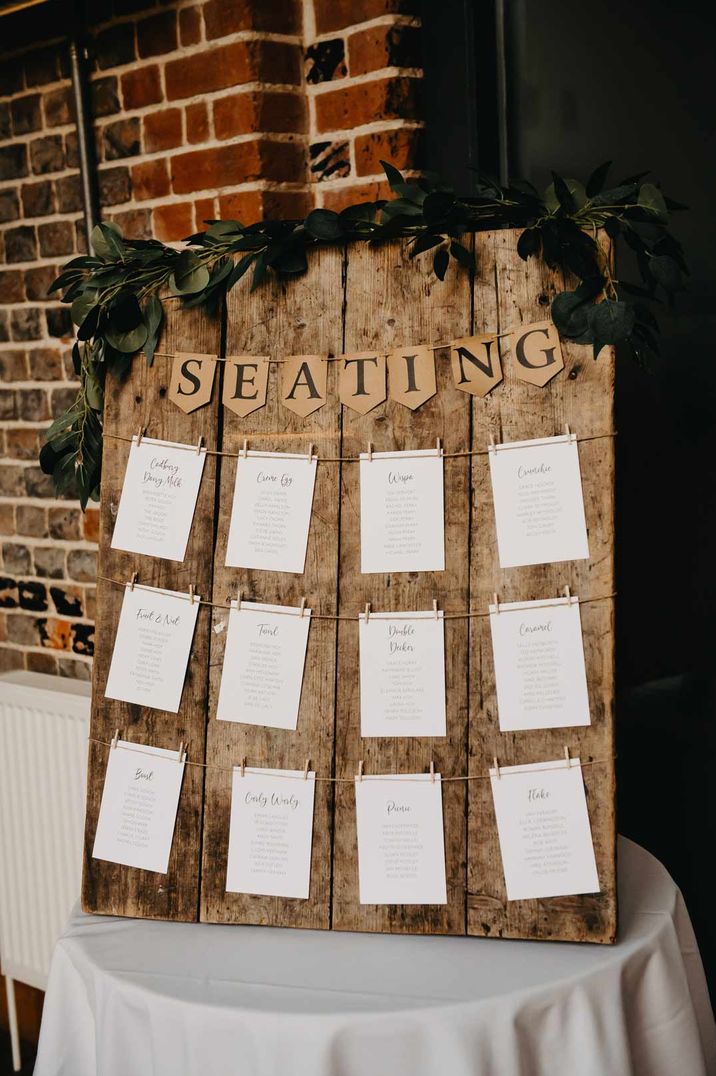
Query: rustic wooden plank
{"x": 582, "y": 395}
{"x": 301, "y": 316}
{"x": 392, "y": 301}
{"x": 141, "y": 401}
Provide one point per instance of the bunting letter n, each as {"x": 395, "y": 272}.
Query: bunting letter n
{"x": 476, "y": 366}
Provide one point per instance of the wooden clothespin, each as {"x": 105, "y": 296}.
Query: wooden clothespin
{"x": 245, "y": 449}
{"x": 199, "y": 445}
{"x": 496, "y": 601}
{"x": 191, "y": 593}
{"x": 305, "y": 769}
{"x": 133, "y": 580}
{"x": 310, "y": 453}
{"x": 181, "y": 751}
{"x": 493, "y": 446}
{"x": 115, "y": 738}
{"x": 567, "y": 757}
{"x": 435, "y": 609}
{"x": 243, "y": 766}
{"x": 439, "y": 447}
{"x": 570, "y": 436}
{"x": 568, "y": 594}
{"x": 303, "y": 607}
{"x": 359, "y": 775}
{"x": 432, "y": 771}
{"x": 367, "y": 612}
{"x": 140, "y": 435}
{"x": 496, "y": 767}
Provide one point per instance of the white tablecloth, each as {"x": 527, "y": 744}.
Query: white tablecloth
{"x": 137, "y": 998}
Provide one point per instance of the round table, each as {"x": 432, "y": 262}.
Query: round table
{"x": 140, "y": 998}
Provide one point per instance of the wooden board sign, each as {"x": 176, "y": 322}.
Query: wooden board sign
{"x": 348, "y": 302}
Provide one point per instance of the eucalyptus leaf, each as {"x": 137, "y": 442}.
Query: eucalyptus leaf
{"x": 440, "y": 263}
{"x": 570, "y": 314}
{"x": 651, "y": 199}
{"x": 392, "y": 174}
{"x": 598, "y": 178}
{"x": 529, "y": 243}
{"x": 610, "y": 322}
{"x": 324, "y": 224}
{"x": 130, "y": 341}
{"x": 573, "y": 195}
{"x": 190, "y": 275}
{"x": 106, "y": 240}
{"x": 666, "y": 271}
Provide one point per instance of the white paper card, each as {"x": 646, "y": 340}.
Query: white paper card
{"x": 151, "y": 647}
{"x": 539, "y": 507}
{"x": 543, "y": 826}
{"x": 402, "y": 674}
{"x": 401, "y": 849}
{"x": 263, "y": 665}
{"x": 539, "y": 664}
{"x": 139, "y": 806}
{"x": 156, "y": 509}
{"x": 271, "y": 512}
{"x": 270, "y": 833}
{"x": 402, "y": 526}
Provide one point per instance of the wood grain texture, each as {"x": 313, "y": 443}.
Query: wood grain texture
{"x": 509, "y": 291}
{"x": 141, "y": 401}
{"x": 366, "y": 298}
{"x": 392, "y": 301}
{"x": 302, "y": 316}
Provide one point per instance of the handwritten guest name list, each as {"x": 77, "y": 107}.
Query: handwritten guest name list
{"x": 401, "y": 848}
{"x": 151, "y": 647}
{"x": 544, "y": 832}
{"x": 159, "y": 494}
{"x": 139, "y": 805}
{"x": 539, "y": 507}
{"x": 539, "y": 664}
{"x": 263, "y": 665}
{"x": 271, "y": 512}
{"x": 402, "y": 674}
{"x": 402, "y": 526}
{"x": 271, "y": 832}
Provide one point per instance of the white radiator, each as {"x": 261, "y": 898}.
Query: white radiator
{"x": 44, "y": 722}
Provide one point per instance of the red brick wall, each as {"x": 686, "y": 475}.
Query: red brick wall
{"x": 228, "y": 108}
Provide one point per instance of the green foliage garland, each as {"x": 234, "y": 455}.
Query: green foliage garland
{"x": 115, "y": 292}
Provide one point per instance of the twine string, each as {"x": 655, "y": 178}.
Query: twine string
{"x": 348, "y": 354}
{"x": 424, "y": 454}
{"x": 365, "y": 776}
{"x": 426, "y": 615}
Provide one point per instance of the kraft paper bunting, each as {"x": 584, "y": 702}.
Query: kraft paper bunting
{"x": 411, "y": 376}
{"x": 536, "y": 352}
{"x": 245, "y": 383}
{"x": 303, "y": 383}
{"x": 476, "y": 366}
{"x": 362, "y": 381}
{"x": 192, "y": 380}
{"x": 366, "y": 379}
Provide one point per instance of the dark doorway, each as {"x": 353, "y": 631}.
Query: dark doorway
{"x": 632, "y": 83}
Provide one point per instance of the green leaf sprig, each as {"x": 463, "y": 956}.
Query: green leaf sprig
{"x": 116, "y": 293}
